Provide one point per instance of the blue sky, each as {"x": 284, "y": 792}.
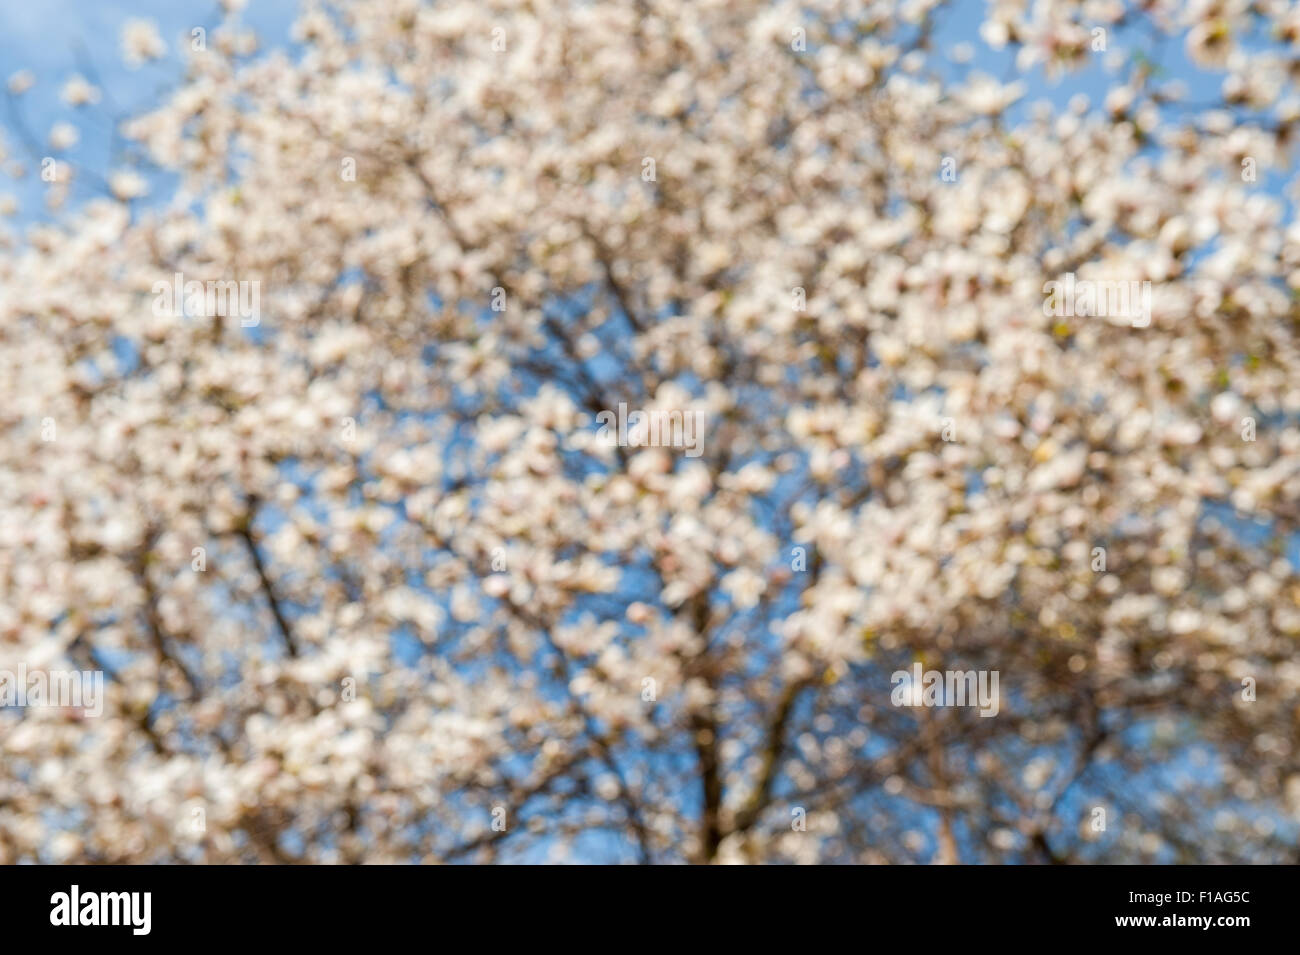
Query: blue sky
{"x": 57, "y": 38}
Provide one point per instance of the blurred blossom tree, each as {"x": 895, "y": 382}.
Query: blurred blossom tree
{"x": 437, "y": 619}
